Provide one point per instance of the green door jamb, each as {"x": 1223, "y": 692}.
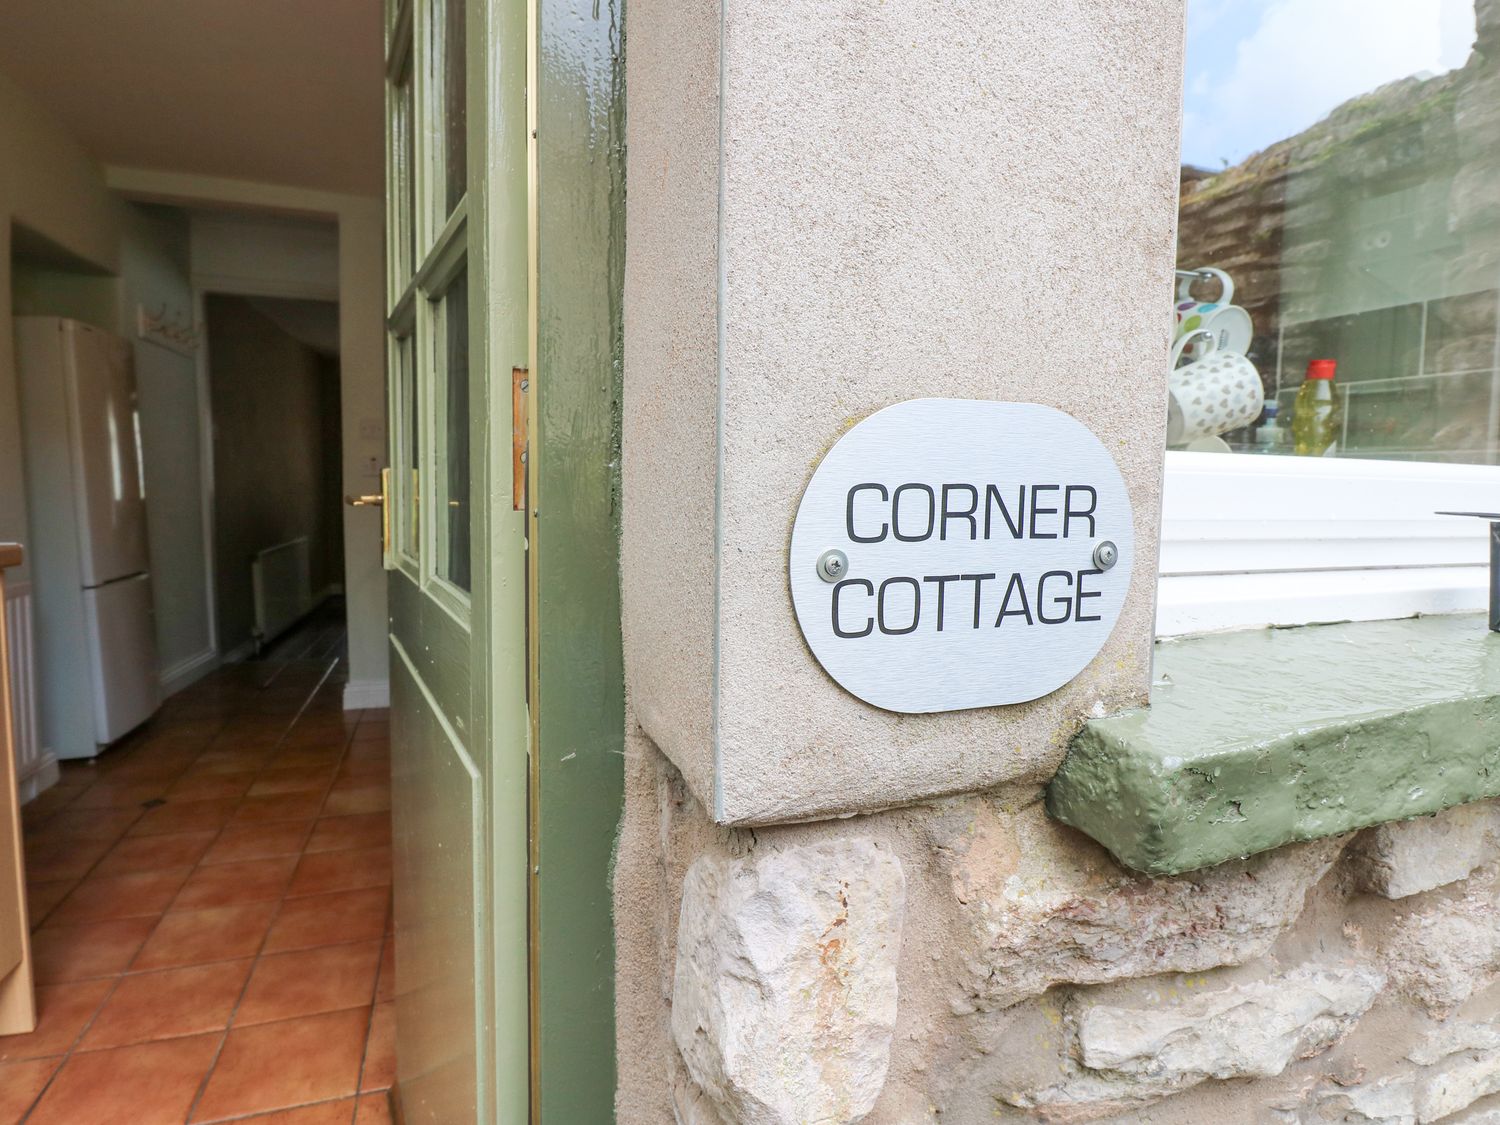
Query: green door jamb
{"x": 579, "y": 768}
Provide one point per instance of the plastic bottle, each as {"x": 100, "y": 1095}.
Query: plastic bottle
{"x": 1271, "y": 436}
{"x": 1316, "y": 415}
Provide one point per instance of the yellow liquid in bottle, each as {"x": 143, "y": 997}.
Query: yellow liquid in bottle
{"x": 1317, "y": 418}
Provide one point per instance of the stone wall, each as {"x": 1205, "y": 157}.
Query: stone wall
{"x": 837, "y": 206}
{"x": 968, "y": 960}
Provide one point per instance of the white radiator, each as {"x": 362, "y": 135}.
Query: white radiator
{"x": 282, "y": 578}
{"x": 35, "y": 769}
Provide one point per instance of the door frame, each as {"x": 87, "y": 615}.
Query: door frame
{"x": 577, "y": 775}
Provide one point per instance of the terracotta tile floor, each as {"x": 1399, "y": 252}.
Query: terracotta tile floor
{"x": 211, "y": 914}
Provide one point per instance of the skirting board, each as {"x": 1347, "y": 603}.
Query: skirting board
{"x": 239, "y": 653}
{"x": 189, "y": 671}
{"x": 360, "y": 694}
{"x": 39, "y": 779}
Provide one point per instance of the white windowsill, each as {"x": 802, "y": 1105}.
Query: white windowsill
{"x": 1253, "y": 540}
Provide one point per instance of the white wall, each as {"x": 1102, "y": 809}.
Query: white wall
{"x": 155, "y": 274}
{"x": 52, "y": 188}
{"x": 265, "y": 255}
{"x": 362, "y": 368}
{"x": 49, "y": 185}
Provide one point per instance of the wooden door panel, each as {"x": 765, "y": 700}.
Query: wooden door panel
{"x": 457, "y": 323}
{"x": 438, "y": 827}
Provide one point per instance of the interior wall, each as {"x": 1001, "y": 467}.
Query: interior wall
{"x": 362, "y": 356}
{"x": 48, "y": 185}
{"x": 265, "y": 255}
{"x": 156, "y": 276}
{"x": 40, "y": 286}
{"x": 269, "y": 463}
{"x": 82, "y": 252}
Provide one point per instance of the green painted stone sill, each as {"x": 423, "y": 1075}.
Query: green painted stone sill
{"x": 1262, "y": 738}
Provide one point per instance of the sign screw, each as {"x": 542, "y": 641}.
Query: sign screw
{"x": 832, "y": 565}
{"x": 1106, "y": 554}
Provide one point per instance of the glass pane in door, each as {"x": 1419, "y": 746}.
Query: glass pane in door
{"x": 408, "y": 451}
{"x": 453, "y": 457}
{"x": 400, "y": 258}
{"x": 455, "y": 119}
{"x": 406, "y": 123}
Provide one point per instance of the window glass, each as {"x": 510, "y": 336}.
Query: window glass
{"x": 406, "y": 121}
{"x": 455, "y": 117}
{"x": 403, "y": 166}
{"x": 1339, "y": 230}
{"x": 453, "y": 461}
{"x": 409, "y": 452}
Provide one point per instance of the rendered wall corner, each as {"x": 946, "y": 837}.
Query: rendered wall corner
{"x": 669, "y": 471}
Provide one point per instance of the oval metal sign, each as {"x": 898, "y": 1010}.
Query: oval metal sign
{"x": 951, "y": 553}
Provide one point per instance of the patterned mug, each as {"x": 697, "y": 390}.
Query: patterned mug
{"x": 1230, "y": 324}
{"x": 1218, "y": 392}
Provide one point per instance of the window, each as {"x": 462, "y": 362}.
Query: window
{"x": 427, "y": 315}
{"x": 1339, "y": 163}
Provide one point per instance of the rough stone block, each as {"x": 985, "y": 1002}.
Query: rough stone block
{"x": 1388, "y": 1101}
{"x": 1440, "y": 954}
{"x": 1406, "y": 858}
{"x": 691, "y": 1106}
{"x": 1469, "y": 1071}
{"x": 1450, "y": 1069}
{"x": 1128, "y": 1056}
{"x": 1474, "y": 199}
{"x": 1045, "y": 910}
{"x": 784, "y": 995}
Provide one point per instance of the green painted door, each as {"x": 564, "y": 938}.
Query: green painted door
{"x": 458, "y": 297}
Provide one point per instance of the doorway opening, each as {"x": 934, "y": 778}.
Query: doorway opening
{"x": 216, "y": 232}
{"x": 277, "y": 508}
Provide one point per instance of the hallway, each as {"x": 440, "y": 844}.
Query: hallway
{"x": 210, "y": 911}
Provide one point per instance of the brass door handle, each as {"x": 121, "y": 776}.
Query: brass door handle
{"x": 378, "y": 500}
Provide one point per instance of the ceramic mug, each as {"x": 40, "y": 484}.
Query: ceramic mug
{"x": 1230, "y": 324}
{"x": 1218, "y": 392}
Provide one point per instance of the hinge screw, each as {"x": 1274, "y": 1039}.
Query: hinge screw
{"x": 1106, "y": 554}
{"x": 832, "y": 565}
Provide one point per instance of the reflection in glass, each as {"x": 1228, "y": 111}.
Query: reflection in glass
{"x": 1346, "y": 183}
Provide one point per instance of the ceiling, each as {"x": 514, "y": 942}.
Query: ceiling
{"x": 277, "y": 91}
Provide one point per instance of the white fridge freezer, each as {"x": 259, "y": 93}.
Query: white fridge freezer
{"x": 97, "y": 673}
